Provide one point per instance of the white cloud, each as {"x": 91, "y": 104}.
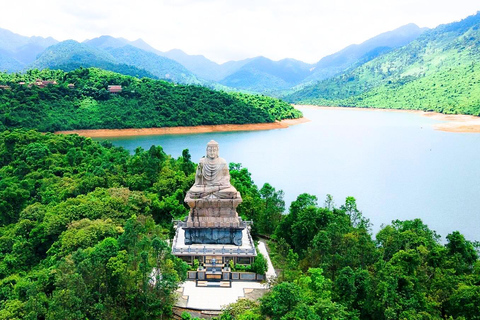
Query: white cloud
{"x": 230, "y": 29}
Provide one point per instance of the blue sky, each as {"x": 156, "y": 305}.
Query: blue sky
{"x": 225, "y": 30}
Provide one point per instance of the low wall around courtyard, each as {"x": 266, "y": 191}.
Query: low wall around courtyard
{"x": 232, "y": 276}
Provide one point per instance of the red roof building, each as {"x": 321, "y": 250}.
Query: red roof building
{"x": 114, "y": 89}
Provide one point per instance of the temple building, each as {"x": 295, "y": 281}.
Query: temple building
{"x": 213, "y": 233}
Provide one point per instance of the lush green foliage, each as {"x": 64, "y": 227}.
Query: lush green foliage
{"x": 333, "y": 269}
{"x": 264, "y": 206}
{"x": 143, "y": 103}
{"x": 83, "y": 228}
{"x": 277, "y": 108}
{"x": 436, "y": 72}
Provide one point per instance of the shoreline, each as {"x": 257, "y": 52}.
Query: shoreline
{"x": 108, "y": 133}
{"x": 453, "y": 122}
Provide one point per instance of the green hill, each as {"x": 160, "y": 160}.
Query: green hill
{"x": 436, "y": 72}
{"x": 161, "y": 67}
{"x": 71, "y": 51}
{"x": 357, "y": 54}
{"x": 126, "y": 59}
{"x": 143, "y": 103}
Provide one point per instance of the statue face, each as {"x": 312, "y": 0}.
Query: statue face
{"x": 212, "y": 152}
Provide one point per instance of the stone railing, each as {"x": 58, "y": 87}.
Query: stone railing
{"x": 183, "y": 224}
{"x": 231, "y": 276}
{"x": 189, "y": 250}
{"x": 208, "y": 250}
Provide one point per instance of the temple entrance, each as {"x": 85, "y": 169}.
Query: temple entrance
{"x": 214, "y": 260}
{"x": 214, "y": 277}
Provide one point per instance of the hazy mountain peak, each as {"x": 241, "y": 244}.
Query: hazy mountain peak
{"x": 181, "y": 53}
{"x": 14, "y": 42}
{"x": 106, "y": 41}
{"x": 141, "y": 44}
{"x": 176, "y": 51}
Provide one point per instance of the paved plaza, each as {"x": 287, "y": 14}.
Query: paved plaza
{"x": 214, "y": 298}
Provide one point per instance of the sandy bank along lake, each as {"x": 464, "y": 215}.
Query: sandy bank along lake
{"x": 453, "y": 122}
{"x": 105, "y": 133}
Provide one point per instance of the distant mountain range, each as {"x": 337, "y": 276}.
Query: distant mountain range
{"x": 357, "y": 54}
{"x": 17, "y": 51}
{"x": 138, "y": 58}
{"x": 406, "y": 68}
{"x": 261, "y": 74}
{"x": 439, "y": 71}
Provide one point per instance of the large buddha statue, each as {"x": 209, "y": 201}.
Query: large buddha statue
{"x": 213, "y": 202}
{"x": 212, "y": 179}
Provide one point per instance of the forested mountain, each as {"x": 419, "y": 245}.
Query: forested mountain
{"x": 105, "y": 42}
{"x": 357, "y": 54}
{"x": 71, "y": 51}
{"x": 17, "y": 51}
{"x": 437, "y": 72}
{"x": 261, "y": 74}
{"x": 258, "y": 74}
{"x": 191, "y": 69}
{"x": 142, "y": 103}
{"x": 140, "y": 55}
{"x": 159, "y": 66}
{"x": 114, "y": 55}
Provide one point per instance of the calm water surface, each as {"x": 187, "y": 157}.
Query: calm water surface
{"x": 394, "y": 164}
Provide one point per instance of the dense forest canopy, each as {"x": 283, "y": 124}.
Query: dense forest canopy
{"x": 142, "y": 103}
{"x": 83, "y": 225}
{"x": 332, "y": 268}
{"x": 83, "y": 230}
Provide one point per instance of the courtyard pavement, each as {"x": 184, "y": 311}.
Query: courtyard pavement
{"x": 214, "y": 298}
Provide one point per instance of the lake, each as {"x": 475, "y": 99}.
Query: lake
{"x": 394, "y": 164}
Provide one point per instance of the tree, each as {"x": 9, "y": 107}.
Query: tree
{"x": 274, "y": 206}
{"x": 260, "y": 265}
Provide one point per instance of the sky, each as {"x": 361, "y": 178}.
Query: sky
{"x": 224, "y": 30}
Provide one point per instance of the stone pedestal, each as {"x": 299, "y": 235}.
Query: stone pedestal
{"x": 213, "y": 212}
{"x": 213, "y": 220}
{"x": 213, "y": 236}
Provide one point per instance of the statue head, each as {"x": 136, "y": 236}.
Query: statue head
{"x": 212, "y": 149}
